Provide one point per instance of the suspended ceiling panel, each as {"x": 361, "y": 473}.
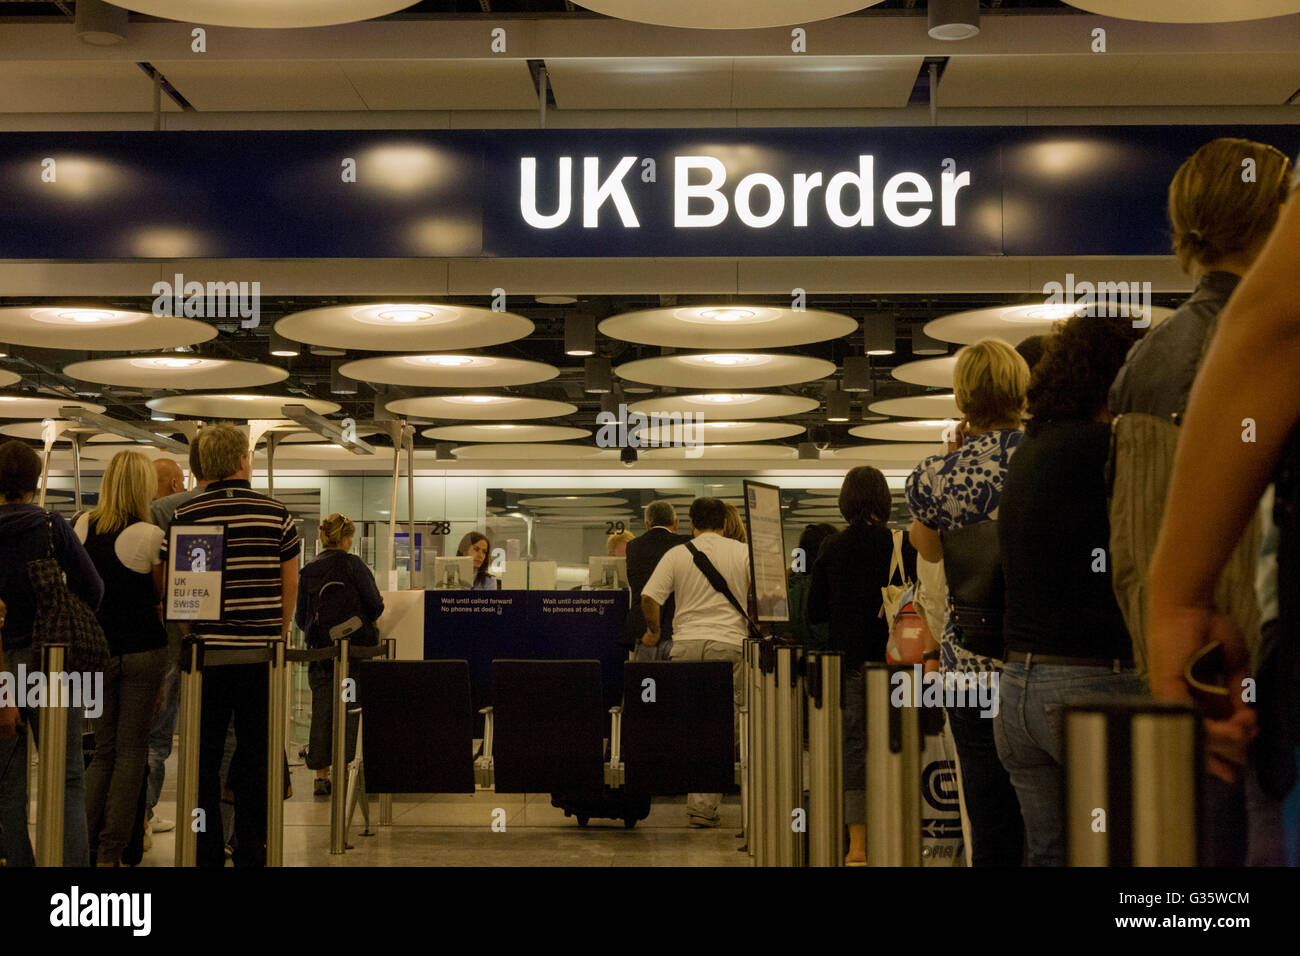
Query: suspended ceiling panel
{"x": 919, "y": 406}
{"x": 262, "y": 85}
{"x": 1120, "y": 79}
{"x": 238, "y": 407}
{"x": 896, "y": 455}
{"x": 918, "y": 430}
{"x": 1189, "y": 11}
{"x": 660, "y": 83}
{"x": 738, "y": 326}
{"x": 714, "y": 432}
{"x": 443, "y": 84}
{"x": 32, "y": 406}
{"x": 175, "y": 371}
{"x": 1010, "y": 323}
{"x": 824, "y": 82}
{"x": 724, "y": 14}
{"x": 505, "y": 432}
{"x": 97, "y": 329}
{"x": 720, "y": 453}
{"x": 103, "y": 453}
{"x": 936, "y": 372}
{"x": 449, "y": 371}
{"x": 480, "y": 407}
{"x": 739, "y": 370}
{"x": 77, "y": 86}
{"x": 403, "y": 326}
{"x": 727, "y": 405}
{"x": 8, "y": 378}
{"x": 267, "y": 13}
{"x": 526, "y": 452}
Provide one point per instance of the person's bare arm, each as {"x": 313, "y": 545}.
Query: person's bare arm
{"x": 288, "y": 593}
{"x": 1248, "y": 373}
{"x": 650, "y": 610}
{"x": 927, "y": 542}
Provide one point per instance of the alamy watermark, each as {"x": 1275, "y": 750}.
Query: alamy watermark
{"x": 951, "y": 689}
{"x": 83, "y": 690}
{"x": 215, "y": 300}
{"x": 625, "y": 429}
{"x": 1103, "y": 299}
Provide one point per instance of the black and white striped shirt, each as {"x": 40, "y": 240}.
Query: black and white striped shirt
{"x": 260, "y": 536}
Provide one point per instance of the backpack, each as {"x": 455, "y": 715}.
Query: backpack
{"x": 339, "y": 614}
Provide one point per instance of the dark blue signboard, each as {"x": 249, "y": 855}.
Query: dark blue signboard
{"x": 874, "y": 191}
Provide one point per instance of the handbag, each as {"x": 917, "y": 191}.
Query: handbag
{"x": 907, "y": 631}
{"x": 61, "y": 616}
{"x": 892, "y": 593}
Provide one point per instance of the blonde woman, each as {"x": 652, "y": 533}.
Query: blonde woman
{"x": 333, "y": 589}
{"x": 616, "y": 544}
{"x": 954, "y": 502}
{"x": 126, "y": 551}
{"x": 734, "y": 528}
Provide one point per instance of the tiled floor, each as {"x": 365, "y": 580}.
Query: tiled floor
{"x": 456, "y": 830}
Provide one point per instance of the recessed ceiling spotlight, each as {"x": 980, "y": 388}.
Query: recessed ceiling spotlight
{"x": 953, "y": 19}
{"x": 282, "y": 347}
{"x": 580, "y": 335}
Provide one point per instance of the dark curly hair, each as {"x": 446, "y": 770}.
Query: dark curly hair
{"x": 1079, "y": 363}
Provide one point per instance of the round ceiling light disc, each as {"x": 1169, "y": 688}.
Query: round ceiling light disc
{"x": 95, "y": 329}
{"x": 524, "y": 452}
{"x": 301, "y": 455}
{"x": 1012, "y": 323}
{"x": 569, "y": 501}
{"x": 177, "y": 371}
{"x": 1188, "y": 11}
{"x": 403, "y": 327}
{"x": 932, "y": 407}
{"x": 729, "y": 370}
{"x": 916, "y": 430}
{"x": 266, "y": 15}
{"x": 449, "y": 371}
{"x": 900, "y": 452}
{"x": 8, "y": 378}
{"x": 613, "y": 496}
{"x": 238, "y": 407}
{"x": 935, "y": 373}
{"x": 35, "y": 431}
{"x": 720, "y": 453}
{"x": 104, "y": 452}
{"x": 505, "y": 433}
{"x": 717, "y": 432}
{"x": 727, "y": 14}
{"x": 33, "y": 406}
{"x": 727, "y": 326}
{"x": 479, "y": 407}
{"x": 729, "y": 405}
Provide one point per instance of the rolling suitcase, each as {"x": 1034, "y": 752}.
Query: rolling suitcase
{"x": 612, "y": 804}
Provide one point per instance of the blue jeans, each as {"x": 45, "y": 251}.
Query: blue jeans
{"x": 164, "y": 728}
{"x": 13, "y": 786}
{"x": 1029, "y": 730}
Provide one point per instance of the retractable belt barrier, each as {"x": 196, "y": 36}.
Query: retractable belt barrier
{"x": 825, "y": 759}
{"x": 196, "y": 656}
{"x": 53, "y": 722}
{"x": 789, "y": 755}
{"x": 744, "y": 726}
{"x": 1132, "y": 768}
{"x": 893, "y": 773}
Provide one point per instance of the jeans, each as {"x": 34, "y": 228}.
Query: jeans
{"x": 705, "y": 805}
{"x": 164, "y": 726}
{"x": 987, "y": 796}
{"x": 320, "y": 745}
{"x": 1029, "y": 730}
{"x": 115, "y": 775}
{"x": 239, "y": 690}
{"x": 17, "y": 848}
{"x": 854, "y": 701}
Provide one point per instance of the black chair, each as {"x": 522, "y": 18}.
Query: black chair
{"x": 678, "y": 727}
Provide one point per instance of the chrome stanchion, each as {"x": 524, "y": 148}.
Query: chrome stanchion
{"x": 773, "y": 824}
{"x": 893, "y": 772}
{"x": 742, "y": 730}
{"x": 339, "y": 760}
{"x": 187, "y": 754}
{"x": 1132, "y": 766}
{"x": 275, "y": 756}
{"x": 757, "y": 766}
{"x": 53, "y": 744}
{"x": 825, "y": 760}
{"x": 386, "y": 799}
{"x": 789, "y": 753}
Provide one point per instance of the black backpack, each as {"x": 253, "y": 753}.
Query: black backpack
{"x": 339, "y": 613}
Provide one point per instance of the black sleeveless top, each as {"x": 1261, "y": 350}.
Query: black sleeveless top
{"x": 129, "y": 611}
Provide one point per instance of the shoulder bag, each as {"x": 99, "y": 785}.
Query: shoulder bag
{"x": 61, "y": 616}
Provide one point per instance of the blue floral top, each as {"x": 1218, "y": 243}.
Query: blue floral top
{"x": 954, "y": 490}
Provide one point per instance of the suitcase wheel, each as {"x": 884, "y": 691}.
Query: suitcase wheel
{"x": 582, "y": 819}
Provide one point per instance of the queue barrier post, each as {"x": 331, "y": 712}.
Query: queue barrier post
{"x": 893, "y": 772}
{"x": 187, "y": 752}
{"x": 825, "y": 759}
{"x": 742, "y": 717}
{"x": 772, "y": 828}
{"x": 757, "y": 759}
{"x": 275, "y": 785}
{"x": 339, "y": 757}
{"x": 53, "y": 722}
{"x": 1132, "y": 768}
{"x": 789, "y": 753}
{"x": 386, "y": 799}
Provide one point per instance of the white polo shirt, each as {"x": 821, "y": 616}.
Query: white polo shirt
{"x": 702, "y": 613}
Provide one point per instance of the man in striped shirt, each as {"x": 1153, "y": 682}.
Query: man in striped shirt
{"x": 259, "y": 590}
